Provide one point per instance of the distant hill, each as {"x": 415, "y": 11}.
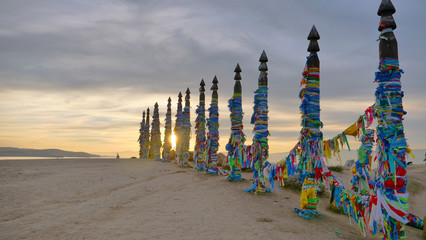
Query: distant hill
{"x": 26, "y": 152}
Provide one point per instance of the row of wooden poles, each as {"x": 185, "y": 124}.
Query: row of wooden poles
{"x": 205, "y": 152}
{"x": 206, "y": 147}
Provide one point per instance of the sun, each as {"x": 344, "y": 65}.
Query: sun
{"x": 173, "y": 138}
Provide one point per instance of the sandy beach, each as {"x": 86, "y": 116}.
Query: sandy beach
{"x": 146, "y": 199}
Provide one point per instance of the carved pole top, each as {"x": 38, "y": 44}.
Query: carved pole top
{"x": 156, "y": 105}
{"x": 313, "y": 37}
{"x": 169, "y": 104}
{"x": 237, "y": 72}
{"x": 313, "y": 34}
{"x": 202, "y": 84}
{"x": 386, "y": 10}
{"x": 263, "y": 78}
{"x": 179, "y": 104}
{"x": 147, "y": 116}
{"x": 237, "y": 68}
{"x": 237, "y": 78}
{"x": 313, "y": 48}
{"x": 202, "y": 90}
{"x": 187, "y": 97}
{"x": 388, "y": 46}
{"x": 214, "y": 87}
{"x": 263, "y": 60}
{"x": 386, "y": 7}
{"x": 263, "y": 57}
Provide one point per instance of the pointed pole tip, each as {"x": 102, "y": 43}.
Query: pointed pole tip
{"x": 237, "y": 68}
{"x": 313, "y": 34}
{"x": 237, "y": 72}
{"x": 386, "y": 7}
{"x": 214, "y": 86}
{"x": 263, "y": 57}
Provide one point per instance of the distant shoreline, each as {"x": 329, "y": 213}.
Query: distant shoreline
{"x": 49, "y": 153}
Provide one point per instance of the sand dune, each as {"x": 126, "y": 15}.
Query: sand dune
{"x": 145, "y": 199}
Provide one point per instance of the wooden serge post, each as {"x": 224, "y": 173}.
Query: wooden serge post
{"x": 146, "y": 142}
{"x": 386, "y": 209}
{"x": 391, "y": 143}
{"x": 200, "y": 131}
{"x": 185, "y": 131}
{"x": 235, "y": 146}
{"x": 311, "y": 158}
{"x": 178, "y": 129}
{"x": 155, "y": 147}
{"x": 141, "y": 135}
{"x": 213, "y": 134}
{"x": 260, "y": 147}
{"x": 167, "y": 146}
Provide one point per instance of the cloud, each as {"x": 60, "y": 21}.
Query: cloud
{"x": 88, "y": 69}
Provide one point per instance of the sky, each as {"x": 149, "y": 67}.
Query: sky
{"x": 76, "y": 75}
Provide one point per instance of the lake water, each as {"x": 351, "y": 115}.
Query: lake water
{"x": 34, "y": 158}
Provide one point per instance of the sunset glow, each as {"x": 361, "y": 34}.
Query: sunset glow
{"x": 173, "y": 140}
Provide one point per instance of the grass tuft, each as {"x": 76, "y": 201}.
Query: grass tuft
{"x": 337, "y": 210}
{"x": 264, "y": 220}
{"x": 336, "y": 168}
{"x": 414, "y": 187}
